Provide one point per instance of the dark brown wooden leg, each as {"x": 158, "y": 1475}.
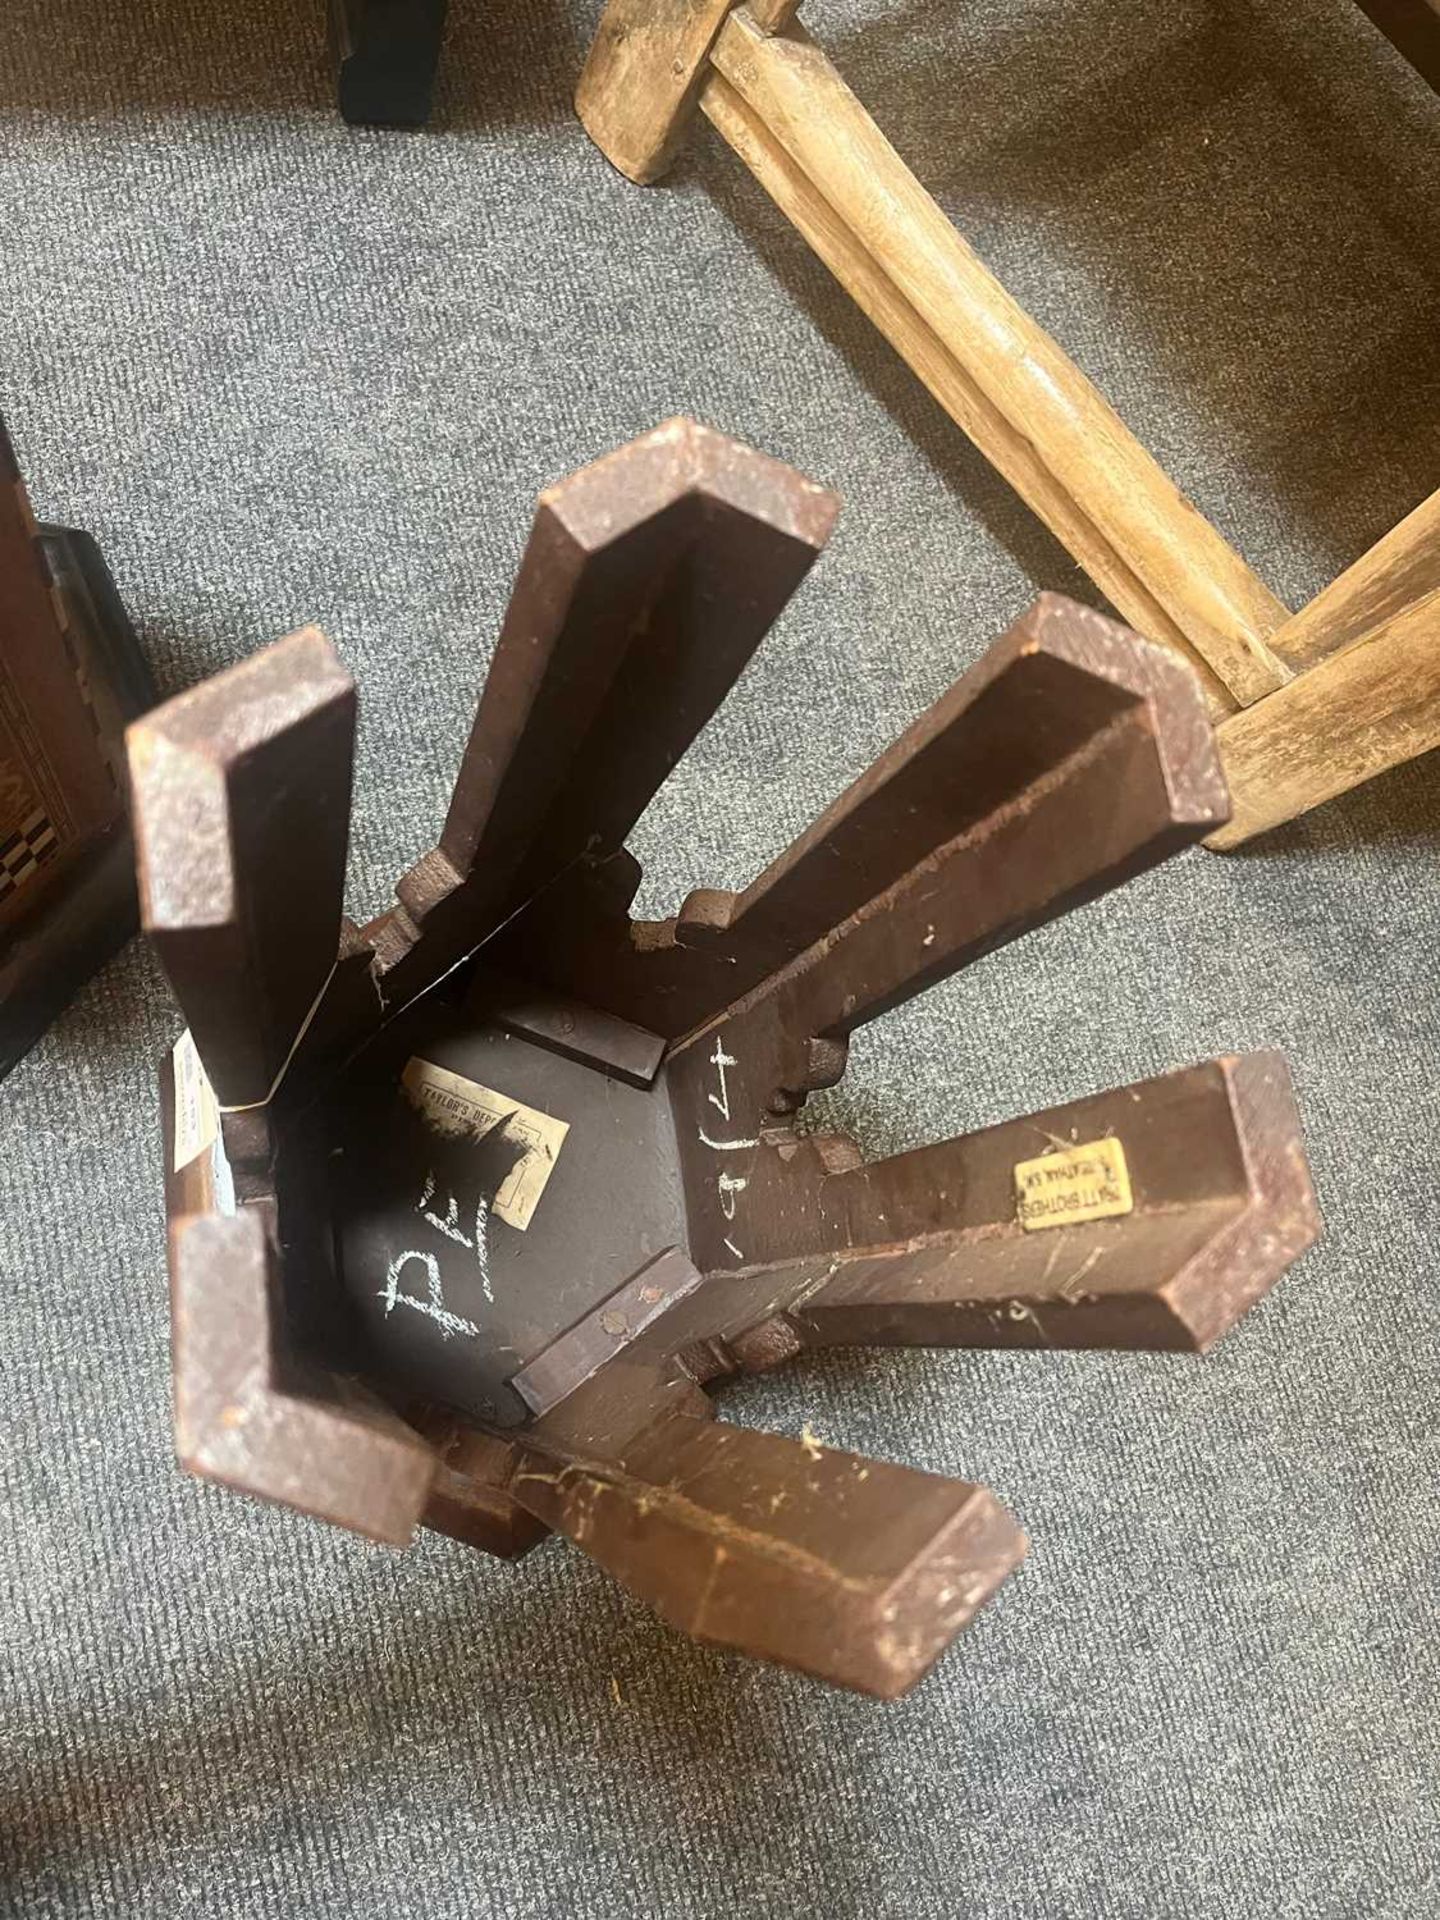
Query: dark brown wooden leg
{"x": 250, "y": 1414}
{"x": 853, "y": 1570}
{"x": 241, "y": 797}
{"x": 387, "y": 52}
{"x": 649, "y": 580}
{"x": 1204, "y": 1200}
{"x": 1072, "y": 757}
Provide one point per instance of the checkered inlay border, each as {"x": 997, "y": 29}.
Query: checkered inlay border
{"x": 24, "y": 852}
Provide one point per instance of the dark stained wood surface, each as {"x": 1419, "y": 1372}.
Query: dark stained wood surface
{"x": 226, "y": 780}
{"x": 546, "y": 1366}
{"x": 1414, "y": 27}
{"x": 71, "y": 676}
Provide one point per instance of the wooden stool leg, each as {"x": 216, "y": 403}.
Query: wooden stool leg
{"x": 776, "y": 99}
{"x": 854, "y": 1570}
{"x": 387, "y": 52}
{"x": 222, "y": 778}
{"x": 1356, "y": 714}
{"x": 249, "y": 1412}
{"x": 1397, "y": 574}
{"x": 1367, "y": 696}
{"x": 640, "y": 83}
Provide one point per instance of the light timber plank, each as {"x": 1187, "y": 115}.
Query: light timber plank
{"x": 1347, "y": 719}
{"x": 1003, "y": 444}
{"x": 638, "y": 88}
{"x": 1085, "y": 451}
{"x": 771, "y": 16}
{"x": 1399, "y": 570}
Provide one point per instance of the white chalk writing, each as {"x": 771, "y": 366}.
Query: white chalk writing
{"x": 450, "y": 1225}
{"x": 728, "y": 1189}
{"x": 728, "y": 1186}
{"x": 720, "y": 1060}
{"x": 434, "y": 1307}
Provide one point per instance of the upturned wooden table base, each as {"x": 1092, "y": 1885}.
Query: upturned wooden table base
{"x": 499, "y": 1182}
{"x": 1307, "y": 704}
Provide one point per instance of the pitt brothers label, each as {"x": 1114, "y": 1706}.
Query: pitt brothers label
{"x": 1075, "y": 1184}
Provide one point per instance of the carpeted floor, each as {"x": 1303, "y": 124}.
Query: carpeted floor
{"x": 287, "y": 371}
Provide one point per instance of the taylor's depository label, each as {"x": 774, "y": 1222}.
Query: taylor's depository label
{"x": 452, "y": 1104}
{"x": 1074, "y": 1184}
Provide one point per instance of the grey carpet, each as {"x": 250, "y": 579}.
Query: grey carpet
{"x": 286, "y": 371}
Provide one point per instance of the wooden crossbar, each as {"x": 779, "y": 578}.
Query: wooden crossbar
{"x": 1290, "y": 739}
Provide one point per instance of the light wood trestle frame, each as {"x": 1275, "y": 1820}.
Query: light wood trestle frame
{"x": 1307, "y": 705}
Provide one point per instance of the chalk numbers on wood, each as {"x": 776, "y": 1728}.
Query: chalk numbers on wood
{"x": 728, "y": 1186}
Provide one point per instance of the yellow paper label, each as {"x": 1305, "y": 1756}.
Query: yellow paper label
{"x": 452, "y": 1104}
{"x": 197, "y": 1114}
{"x": 1077, "y": 1183}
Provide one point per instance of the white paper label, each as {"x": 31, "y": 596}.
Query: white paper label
{"x": 452, "y": 1104}
{"x": 197, "y": 1115}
